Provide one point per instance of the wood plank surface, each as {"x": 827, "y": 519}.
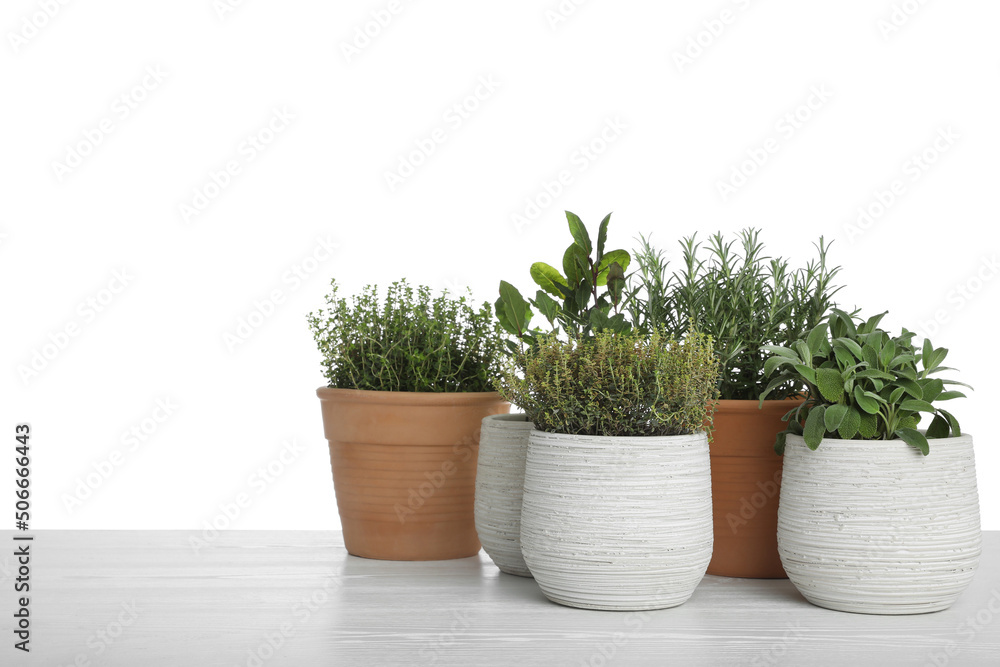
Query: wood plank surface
{"x": 296, "y": 598}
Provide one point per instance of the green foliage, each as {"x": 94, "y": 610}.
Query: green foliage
{"x": 411, "y": 342}
{"x": 614, "y": 384}
{"x": 573, "y": 303}
{"x": 863, "y": 384}
{"x": 742, "y": 298}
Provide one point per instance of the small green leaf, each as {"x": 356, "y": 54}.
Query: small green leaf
{"x": 620, "y": 256}
{"x": 835, "y": 415}
{"x": 779, "y": 350}
{"x": 579, "y": 232}
{"x": 851, "y": 345}
{"x": 956, "y": 430}
{"x": 849, "y": 427}
{"x": 776, "y": 381}
{"x": 817, "y": 337}
{"x": 868, "y": 429}
{"x": 574, "y": 263}
{"x": 803, "y": 349}
{"x": 547, "y": 277}
{"x": 948, "y": 395}
{"x": 864, "y": 401}
{"x": 915, "y": 438}
{"x": 939, "y": 428}
{"x": 932, "y": 388}
{"x": 616, "y": 282}
{"x": 602, "y": 236}
{"x": 830, "y": 384}
{"x": 514, "y": 307}
{"x": 918, "y": 406}
{"x": 844, "y": 356}
{"x": 773, "y": 363}
{"x": 807, "y": 374}
{"x": 910, "y": 387}
{"x": 779, "y": 443}
{"x": 546, "y": 306}
{"x": 815, "y": 428}
{"x": 873, "y": 373}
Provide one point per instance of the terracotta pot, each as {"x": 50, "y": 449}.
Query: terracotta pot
{"x": 875, "y": 527}
{"x": 404, "y": 469}
{"x": 746, "y": 482}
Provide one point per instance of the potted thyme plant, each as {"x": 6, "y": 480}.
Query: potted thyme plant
{"x": 616, "y": 507}
{"x": 409, "y": 382}
{"x": 744, "y": 299}
{"x": 875, "y": 515}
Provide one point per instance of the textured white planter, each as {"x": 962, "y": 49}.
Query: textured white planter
{"x": 874, "y": 527}
{"x": 503, "y": 445}
{"x": 617, "y": 523}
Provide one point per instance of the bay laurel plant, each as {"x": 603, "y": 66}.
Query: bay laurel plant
{"x": 732, "y": 290}
{"x": 863, "y": 383}
{"x": 589, "y": 295}
{"x": 614, "y": 383}
{"x": 410, "y": 341}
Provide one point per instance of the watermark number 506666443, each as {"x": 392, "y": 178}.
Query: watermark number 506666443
{"x": 22, "y": 543}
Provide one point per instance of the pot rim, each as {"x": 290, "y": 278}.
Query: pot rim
{"x": 408, "y": 397}
{"x": 515, "y": 417}
{"x": 751, "y": 405}
{"x": 953, "y": 438}
{"x": 697, "y": 435}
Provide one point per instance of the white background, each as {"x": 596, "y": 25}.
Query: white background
{"x": 684, "y": 127}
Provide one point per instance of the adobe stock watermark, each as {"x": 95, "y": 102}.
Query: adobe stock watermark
{"x": 131, "y": 439}
{"x": 776, "y": 653}
{"x": 257, "y": 483}
{"x": 767, "y": 490}
{"x": 711, "y": 30}
{"x": 217, "y": 181}
{"x": 911, "y": 171}
{"x": 579, "y": 161}
{"x": 32, "y": 25}
{"x": 265, "y": 307}
{"x": 966, "y": 631}
{"x": 562, "y": 11}
{"x": 454, "y": 117}
{"x": 440, "y": 643}
{"x": 365, "y": 34}
{"x": 87, "y": 311}
{"x": 435, "y": 479}
{"x": 786, "y": 127}
{"x": 606, "y": 651}
{"x": 101, "y": 641}
{"x": 960, "y": 296}
{"x": 899, "y": 15}
{"x": 223, "y": 8}
{"x": 301, "y": 612}
{"x": 122, "y": 107}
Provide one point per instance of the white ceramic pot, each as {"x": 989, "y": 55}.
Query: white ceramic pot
{"x": 503, "y": 445}
{"x": 875, "y": 527}
{"x": 622, "y": 523}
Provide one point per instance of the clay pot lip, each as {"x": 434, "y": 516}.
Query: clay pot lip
{"x": 746, "y": 405}
{"x": 408, "y": 397}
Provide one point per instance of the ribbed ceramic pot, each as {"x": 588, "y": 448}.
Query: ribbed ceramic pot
{"x": 618, "y": 523}
{"x": 875, "y": 527}
{"x": 503, "y": 447}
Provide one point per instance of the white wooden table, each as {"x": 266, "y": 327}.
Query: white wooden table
{"x": 297, "y": 598}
